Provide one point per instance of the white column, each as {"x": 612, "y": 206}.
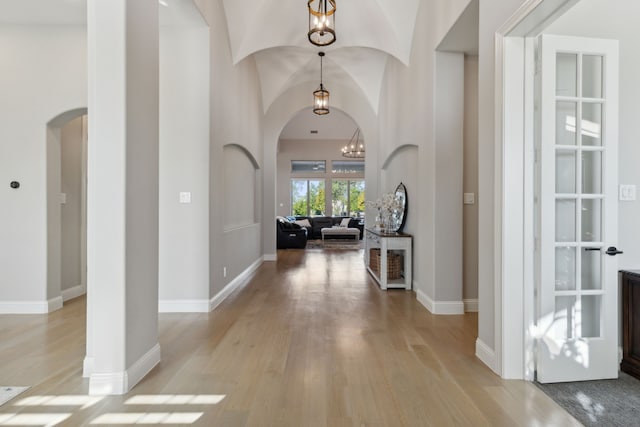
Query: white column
{"x": 448, "y": 204}
{"x": 122, "y": 223}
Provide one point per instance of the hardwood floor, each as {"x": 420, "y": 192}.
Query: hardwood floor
{"x": 309, "y": 341}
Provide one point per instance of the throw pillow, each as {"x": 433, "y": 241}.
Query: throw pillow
{"x": 345, "y": 222}
{"x": 303, "y": 223}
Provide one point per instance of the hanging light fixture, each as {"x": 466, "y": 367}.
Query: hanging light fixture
{"x": 355, "y": 148}
{"x": 322, "y": 22}
{"x": 321, "y": 95}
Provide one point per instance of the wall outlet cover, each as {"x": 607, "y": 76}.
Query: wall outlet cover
{"x": 627, "y": 192}
{"x": 185, "y": 197}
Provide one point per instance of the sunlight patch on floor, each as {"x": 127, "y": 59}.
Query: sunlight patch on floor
{"x": 48, "y": 420}
{"x": 70, "y": 400}
{"x": 128, "y": 418}
{"x": 147, "y": 418}
{"x": 175, "y": 399}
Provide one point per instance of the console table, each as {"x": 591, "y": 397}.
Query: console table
{"x": 396, "y": 242}
{"x": 631, "y": 323}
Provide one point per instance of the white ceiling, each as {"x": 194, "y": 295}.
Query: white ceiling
{"x": 369, "y": 33}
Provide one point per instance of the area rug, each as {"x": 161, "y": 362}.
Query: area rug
{"x": 599, "y": 403}
{"x": 351, "y": 244}
{"x": 7, "y": 393}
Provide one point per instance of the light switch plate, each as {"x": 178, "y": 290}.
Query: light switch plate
{"x": 627, "y": 192}
{"x": 63, "y": 198}
{"x": 469, "y": 198}
{"x": 185, "y": 197}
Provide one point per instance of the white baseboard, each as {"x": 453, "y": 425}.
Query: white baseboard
{"x": 234, "y": 284}
{"x": 486, "y": 355}
{"x": 143, "y": 366}
{"x": 117, "y": 383}
{"x": 54, "y": 304}
{"x": 87, "y": 366}
{"x": 207, "y": 305}
{"x": 74, "y": 292}
{"x": 270, "y": 257}
{"x": 440, "y": 307}
{"x": 470, "y": 305}
{"x": 183, "y": 306}
{"x": 30, "y": 307}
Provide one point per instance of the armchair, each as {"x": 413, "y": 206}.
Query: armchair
{"x": 290, "y": 235}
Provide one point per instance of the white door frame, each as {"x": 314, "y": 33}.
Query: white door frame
{"x": 514, "y": 185}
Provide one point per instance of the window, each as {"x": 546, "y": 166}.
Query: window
{"x": 347, "y": 197}
{"x": 347, "y": 166}
{"x": 307, "y": 197}
{"x": 306, "y": 166}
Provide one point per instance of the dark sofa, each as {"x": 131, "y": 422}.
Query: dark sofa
{"x": 320, "y": 222}
{"x": 290, "y": 235}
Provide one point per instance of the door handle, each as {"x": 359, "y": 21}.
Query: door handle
{"x": 613, "y": 251}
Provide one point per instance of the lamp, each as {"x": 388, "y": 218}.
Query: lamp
{"x": 322, "y": 22}
{"x": 355, "y": 148}
{"x": 321, "y": 95}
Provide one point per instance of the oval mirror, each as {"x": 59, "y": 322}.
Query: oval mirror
{"x": 399, "y": 216}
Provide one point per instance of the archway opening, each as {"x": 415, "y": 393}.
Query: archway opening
{"x": 314, "y": 180}
{"x": 67, "y": 205}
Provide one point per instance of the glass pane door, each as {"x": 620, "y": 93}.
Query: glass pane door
{"x": 577, "y": 311}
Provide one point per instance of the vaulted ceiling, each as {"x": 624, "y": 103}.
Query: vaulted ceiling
{"x": 369, "y": 33}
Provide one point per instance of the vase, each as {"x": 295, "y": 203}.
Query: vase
{"x": 379, "y": 223}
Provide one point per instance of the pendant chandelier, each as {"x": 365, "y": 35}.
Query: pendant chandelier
{"x": 322, "y": 22}
{"x": 355, "y": 148}
{"x": 321, "y": 95}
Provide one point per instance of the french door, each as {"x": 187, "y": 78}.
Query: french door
{"x": 577, "y": 178}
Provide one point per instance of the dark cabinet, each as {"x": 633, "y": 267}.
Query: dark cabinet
{"x": 631, "y": 323}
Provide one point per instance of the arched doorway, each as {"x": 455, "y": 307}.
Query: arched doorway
{"x": 314, "y": 178}
{"x": 66, "y": 205}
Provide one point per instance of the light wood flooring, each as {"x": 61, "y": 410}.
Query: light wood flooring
{"x": 309, "y": 341}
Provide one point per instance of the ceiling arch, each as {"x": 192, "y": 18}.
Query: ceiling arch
{"x": 369, "y": 33}
{"x": 361, "y": 68}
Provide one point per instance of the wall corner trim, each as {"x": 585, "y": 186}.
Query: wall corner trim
{"x": 470, "y": 305}
{"x": 87, "y": 366}
{"x": 54, "y": 304}
{"x": 117, "y": 383}
{"x": 239, "y": 280}
{"x": 74, "y": 292}
{"x": 440, "y": 307}
{"x": 486, "y": 355}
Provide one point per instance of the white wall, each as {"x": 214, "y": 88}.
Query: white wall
{"x": 470, "y": 178}
{"x": 407, "y": 112}
{"x": 184, "y": 166}
{"x": 240, "y": 188}
{"x": 236, "y": 118}
{"x": 72, "y": 245}
{"x": 288, "y": 150}
{"x": 449, "y": 148}
{"x": 617, "y": 19}
{"x": 43, "y": 75}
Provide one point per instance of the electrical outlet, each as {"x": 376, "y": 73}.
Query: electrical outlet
{"x": 469, "y": 198}
{"x": 627, "y": 192}
{"x": 185, "y": 197}
{"x": 224, "y": 271}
